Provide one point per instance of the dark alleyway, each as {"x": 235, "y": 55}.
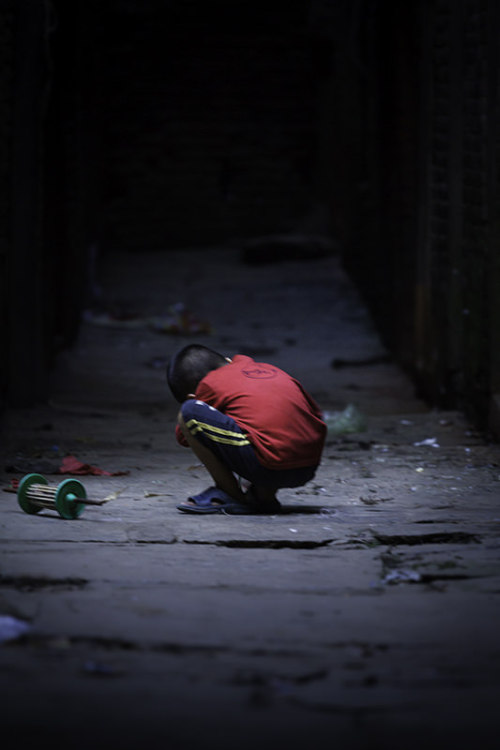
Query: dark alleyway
{"x": 366, "y": 614}
{"x": 166, "y": 141}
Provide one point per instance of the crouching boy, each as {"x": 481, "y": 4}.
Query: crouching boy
{"x": 244, "y": 419}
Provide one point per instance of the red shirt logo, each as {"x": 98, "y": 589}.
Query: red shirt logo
{"x": 260, "y": 373}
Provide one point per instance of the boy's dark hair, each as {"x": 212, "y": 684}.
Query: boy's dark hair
{"x": 188, "y": 366}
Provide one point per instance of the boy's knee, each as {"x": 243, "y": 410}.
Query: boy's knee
{"x": 181, "y": 421}
{"x": 189, "y": 410}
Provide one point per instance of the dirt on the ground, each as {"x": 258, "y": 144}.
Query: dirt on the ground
{"x": 365, "y": 614}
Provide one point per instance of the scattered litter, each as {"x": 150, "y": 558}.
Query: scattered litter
{"x": 71, "y": 465}
{"x": 402, "y": 576}
{"x": 419, "y": 469}
{"x": 113, "y": 495}
{"x": 294, "y": 531}
{"x": 343, "y": 422}
{"x": 179, "y": 320}
{"x": 11, "y": 628}
{"x": 428, "y": 441}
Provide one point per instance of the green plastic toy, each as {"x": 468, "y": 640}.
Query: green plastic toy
{"x": 68, "y": 498}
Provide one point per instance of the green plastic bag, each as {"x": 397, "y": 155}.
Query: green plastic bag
{"x": 344, "y": 422}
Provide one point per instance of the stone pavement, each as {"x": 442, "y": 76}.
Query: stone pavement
{"x": 367, "y": 614}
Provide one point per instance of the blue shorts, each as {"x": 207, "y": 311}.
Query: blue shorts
{"x": 222, "y": 436}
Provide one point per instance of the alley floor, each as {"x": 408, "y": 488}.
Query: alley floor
{"x": 365, "y": 614}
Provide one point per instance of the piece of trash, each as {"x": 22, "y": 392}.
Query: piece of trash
{"x": 428, "y": 441}
{"x": 179, "y": 320}
{"x": 402, "y": 576}
{"x": 419, "y": 469}
{"x": 11, "y": 628}
{"x": 71, "y": 465}
{"x": 343, "y": 422}
{"x": 14, "y": 484}
{"x": 113, "y": 496}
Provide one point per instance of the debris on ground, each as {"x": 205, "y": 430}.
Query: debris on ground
{"x": 71, "y": 465}
{"x": 179, "y": 320}
{"x": 346, "y": 421}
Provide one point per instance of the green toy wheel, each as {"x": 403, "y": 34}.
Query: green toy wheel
{"x": 68, "y": 499}
{"x": 25, "y": 503}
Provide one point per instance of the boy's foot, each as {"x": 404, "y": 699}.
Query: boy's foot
{"x": 262, "y": 500}
{"x": 214, "y": 500}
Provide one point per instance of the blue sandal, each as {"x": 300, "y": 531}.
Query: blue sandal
{"x": 203, "y": 503}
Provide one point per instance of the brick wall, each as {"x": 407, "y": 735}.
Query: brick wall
{"x": 459, "y": 242}
{"x": 374, "y": 134}
{"x": 479, "y": 71}
{"x": 422, "y": 205}
{"x": 42, "y": 231}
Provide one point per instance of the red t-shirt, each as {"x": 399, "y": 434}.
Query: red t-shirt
{"x": 282, "y": 421}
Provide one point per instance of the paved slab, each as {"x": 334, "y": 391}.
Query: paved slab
{"x": 366, "y": 614}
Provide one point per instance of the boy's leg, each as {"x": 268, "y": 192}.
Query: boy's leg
{"x": 226, "y": 451}
{"x": 264, "y": 495}
{"x": 222, "y": 476}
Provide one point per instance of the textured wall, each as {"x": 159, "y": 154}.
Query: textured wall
{"x": 459, "y": 237}
{"x": 422, "y": 208}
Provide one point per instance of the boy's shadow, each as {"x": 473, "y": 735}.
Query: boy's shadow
{"x": 305, "y": 510}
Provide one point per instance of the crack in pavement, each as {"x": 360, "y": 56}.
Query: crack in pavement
{"x": 451, "y": 537}
{"x": 263, "y": 543}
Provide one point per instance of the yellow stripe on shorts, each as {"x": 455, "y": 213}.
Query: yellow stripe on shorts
{"x": 217, "y": 434}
